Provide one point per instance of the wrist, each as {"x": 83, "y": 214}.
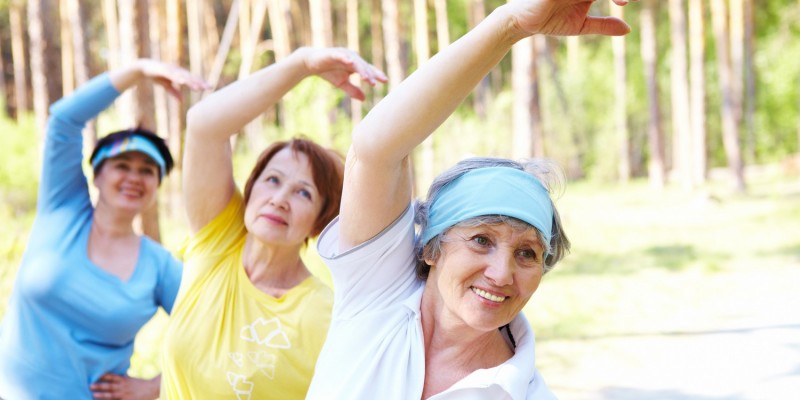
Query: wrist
{"x": 509, "y": 32}
{"x": 155, "y": 387}
{"x": 299, "y": 60}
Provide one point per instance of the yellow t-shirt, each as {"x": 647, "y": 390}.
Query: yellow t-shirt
{"x": 228, "y": 340}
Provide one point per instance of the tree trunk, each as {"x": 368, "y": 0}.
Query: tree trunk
{"x": 353, "y": 44}
{"x": 135, "y": 43}
{"x": 279, "y": 13}
{"x": 655, "y": 137}
{"x": 45, "y": 70}
{"x": 251, "y": 24}
{"x": 111, "y": 20}
{"x": 681, "y": 126}
{"x": 573, "y": 104}
{"x": 537, "y": 126}
{"x": 20, "y": 62}
{"x": 376, "y": 32}
{"x": 521, "y": 65}
{"x": 175, "y": 22}
{"x": 321, "y": 28}
{"x": 749, "y": 97}
{"x": 211, "y": 37}
{"x": 6, "y": 112}
{"x": 697, "y": 81}
{"x": 228, "y": 34}
{"x": 322, "y": 36}
{"x": 423, "y": 52}
{"x": 67, "y": 62}
{"x": 301, "y": 22}
{"x": 73, "y": 13}
{"x": 391, "y": 42}
{"x": 736, "y": 31}
{"x": 196, "y": 42}
{"x": 442, "y": 29}
{"x": 621, "y": 109}
{"x": 730, "y": 129}
{"x": 480, "y": 101}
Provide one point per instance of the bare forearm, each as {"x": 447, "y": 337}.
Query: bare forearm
{"x": 229, "y": 109}
{"x": 125, "y": 77}
{"x": 425, "y": 99}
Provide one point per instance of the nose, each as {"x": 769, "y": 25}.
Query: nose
{"x": 500, "y": 268}
{"x": 280, "y": 198}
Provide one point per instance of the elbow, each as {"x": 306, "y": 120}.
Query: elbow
{"x": 194, "y": 119}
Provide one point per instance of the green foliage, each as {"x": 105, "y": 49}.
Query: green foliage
{"x": 20, "y": 166}
{"x": 645, "y": 261}
{"x": 778, "y": 87}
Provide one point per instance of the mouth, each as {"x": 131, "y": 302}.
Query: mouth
{"x": 129, "y": 192}
{"x": 274, "y": 219}
{"x": 488, "y": 296}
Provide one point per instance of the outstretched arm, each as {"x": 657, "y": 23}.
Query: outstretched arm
{"x": 171, "y": 77}
{"x": 377, "y": 186}
{"x": 207, "y": 170}
{"x": 62, "y": 180}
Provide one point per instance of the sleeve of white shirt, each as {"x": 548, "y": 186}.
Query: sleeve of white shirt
{"x": 375, "y": 274}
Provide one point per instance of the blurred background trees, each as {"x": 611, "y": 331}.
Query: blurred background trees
{"x": 698, "y": 86}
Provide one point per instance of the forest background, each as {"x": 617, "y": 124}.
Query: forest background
{"x": 680, "y": 140}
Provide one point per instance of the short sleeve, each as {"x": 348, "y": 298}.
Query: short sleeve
{"x": 374, "y": 275}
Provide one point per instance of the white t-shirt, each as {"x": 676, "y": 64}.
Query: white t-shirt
{"x": 375, "y": 347}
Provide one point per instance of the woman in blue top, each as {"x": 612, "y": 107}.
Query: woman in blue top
{"x": 88, "y": 282}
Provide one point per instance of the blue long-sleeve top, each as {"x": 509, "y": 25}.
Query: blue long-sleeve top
{"x": 69, "y": 321}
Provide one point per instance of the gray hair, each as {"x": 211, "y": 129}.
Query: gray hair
{"x": 546, "y": 171}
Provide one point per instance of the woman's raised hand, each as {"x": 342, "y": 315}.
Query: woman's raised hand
{"x": 564, "y": 18}
{"x": 170, "y": 76}
{"x": 335, "y": 65}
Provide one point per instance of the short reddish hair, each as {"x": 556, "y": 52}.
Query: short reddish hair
{"x": 327, "y": 170}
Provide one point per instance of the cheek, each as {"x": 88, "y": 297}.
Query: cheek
{"x": 529, "y": 281}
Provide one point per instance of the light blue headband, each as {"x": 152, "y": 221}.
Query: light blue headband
{"x": 491, "y": 191}
{"x": 130, "y": 143}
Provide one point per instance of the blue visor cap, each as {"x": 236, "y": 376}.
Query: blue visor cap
{"x": 130, "y": 143}
{"x": 491, "y": 191}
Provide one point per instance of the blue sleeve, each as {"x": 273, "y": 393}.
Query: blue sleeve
{"x": 62, "y": 181}
{"x": 169, "y": 283}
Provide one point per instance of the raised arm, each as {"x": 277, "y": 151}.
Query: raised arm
{"x": 62, "y": 179}
{"x": 377, "y": 185}
{"x": 207, "y": 167}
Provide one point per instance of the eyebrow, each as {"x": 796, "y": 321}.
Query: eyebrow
{"x": 127, "y": 156}
{"x": 302, "y": 182}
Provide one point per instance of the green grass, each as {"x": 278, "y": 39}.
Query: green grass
{"x": 642, "y": 262}
{"x": 645, "y": 262}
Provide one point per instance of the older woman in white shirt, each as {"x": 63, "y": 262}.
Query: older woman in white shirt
{"x": 452, "y": 329}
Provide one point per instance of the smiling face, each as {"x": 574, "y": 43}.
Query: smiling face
{"x": 485, "y": 275}
{"x": 127, "y": 182}
{"x": 284, "y": 202}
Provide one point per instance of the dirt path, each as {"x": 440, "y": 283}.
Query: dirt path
{"x": 758, "y": 362}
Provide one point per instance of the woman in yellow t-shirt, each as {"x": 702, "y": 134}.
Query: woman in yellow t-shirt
{"x": 250, "y": 319}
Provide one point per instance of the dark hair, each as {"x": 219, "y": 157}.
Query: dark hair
{"x": 327, "y": 170}
{"x": 156, "y": 140}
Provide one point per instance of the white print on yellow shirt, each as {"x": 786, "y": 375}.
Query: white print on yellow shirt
{"x": 268, "y": 333}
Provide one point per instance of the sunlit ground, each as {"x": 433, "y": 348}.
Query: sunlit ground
{"x": 669, "y": 295}
{"x": 675, "y": 296}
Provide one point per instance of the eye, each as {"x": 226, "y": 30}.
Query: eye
{"x": 481, "y": 240}
{"x": 121, "y": 166}
{"x": 272, "y": 179}
{"x": 305, "y": 193}
{"x": 528, "y": 256}
{"x": 148, "y": 171}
